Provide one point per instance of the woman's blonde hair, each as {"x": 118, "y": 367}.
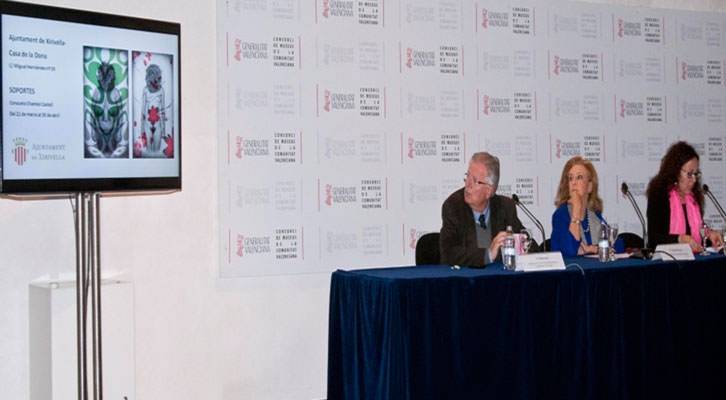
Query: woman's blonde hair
{"x": 594, "y": 202}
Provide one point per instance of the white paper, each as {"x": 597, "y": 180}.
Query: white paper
{"x": 551, "y": 260}
{"x": 678, "y": 251}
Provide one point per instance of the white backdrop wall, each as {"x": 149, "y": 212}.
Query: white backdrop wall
{"x": 344, "y": 125}
{"x": 196, "y": 336}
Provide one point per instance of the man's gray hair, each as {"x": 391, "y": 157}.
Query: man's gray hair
{"x": 492, "y": 164}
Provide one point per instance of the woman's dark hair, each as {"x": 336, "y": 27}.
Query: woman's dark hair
{"x": 670, "y": 169}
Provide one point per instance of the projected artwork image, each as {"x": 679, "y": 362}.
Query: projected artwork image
{"x": 153, "y": 98}
{"x": 105, "y": 105}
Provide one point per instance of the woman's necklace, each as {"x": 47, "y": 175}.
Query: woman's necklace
{"x": 586, "y": 222}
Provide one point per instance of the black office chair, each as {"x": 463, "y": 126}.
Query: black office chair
{"x": 631, "y": 240}
{"x": 427, "y": 249}
{"x": 534, "y": 246}
{"x": 545, "y": 246}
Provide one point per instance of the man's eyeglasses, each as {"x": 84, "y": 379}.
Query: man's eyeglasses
{"x": 471, "y": 178}
{"x": 692, "y": 175}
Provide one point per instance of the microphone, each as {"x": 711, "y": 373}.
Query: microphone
{"x": 626, "y": 193}
{"x": 715, "y": 202}
{"x": 533, "y": 218}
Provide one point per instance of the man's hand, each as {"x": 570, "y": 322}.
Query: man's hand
{"x": 497, "y": 242}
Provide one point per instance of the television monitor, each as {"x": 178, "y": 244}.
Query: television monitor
{"x": 90, "y": 101}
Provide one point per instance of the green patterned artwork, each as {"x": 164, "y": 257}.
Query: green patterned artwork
{"x": 105, "y": 95}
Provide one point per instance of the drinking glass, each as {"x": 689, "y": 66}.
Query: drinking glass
{"x": 612, "y": 230}
{"x": 527, "y": 242}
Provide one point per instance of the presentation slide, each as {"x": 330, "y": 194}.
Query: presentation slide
{"x": 86, "y": 101}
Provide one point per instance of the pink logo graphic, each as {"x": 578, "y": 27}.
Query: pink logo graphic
{"x": 622, "y": 108}
{"x": 410, "y": 147}
{"x": 484, "y": 18}
{"x": 620, "y": 27}
{"x": 412, "y": 245}
{"x": 558, "y": 148}
{"x": 409, "y": 59}
{"x": 238, "y": 152}
{"x": 237, "y": 49}
{"x": 20, "y": 152}
{"x": 683, "y": 71}
{"x": 328, "y": 194}
{"x": 486, "y": 105}
{"x": 326, "y": 104}
{"x": 20, "y": 155}
{"x": 240, "y": 245}
{"x": 326, "y": 8}
{"x": 557, "y": 65}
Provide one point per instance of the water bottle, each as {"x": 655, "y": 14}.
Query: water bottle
{"x": 509, "y": 252}
{"x": 603, "y": 246}
{"x": 704, "y": 231}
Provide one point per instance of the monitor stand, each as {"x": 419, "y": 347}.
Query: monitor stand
{"x": 88, "y": 277}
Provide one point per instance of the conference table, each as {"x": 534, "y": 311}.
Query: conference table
{"x": 627, "y": 329}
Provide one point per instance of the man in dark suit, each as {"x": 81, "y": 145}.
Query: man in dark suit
{"x": 474, "y": 218}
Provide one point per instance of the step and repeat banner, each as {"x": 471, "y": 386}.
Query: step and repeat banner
{"x": 344, "y": 124}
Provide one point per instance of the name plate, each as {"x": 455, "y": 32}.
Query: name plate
{"x": 548, "y": 261}
{"x": 679, "y": 251}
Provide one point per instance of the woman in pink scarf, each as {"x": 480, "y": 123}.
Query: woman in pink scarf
{"x": 675, "y": 201}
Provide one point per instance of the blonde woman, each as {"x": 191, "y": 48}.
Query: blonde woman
{"x": 576, "y": 222}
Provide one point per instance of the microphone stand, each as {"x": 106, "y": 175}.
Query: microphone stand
{"x": 532, "y": 217}
{"x": 626, "y": 193}
{"x": 715, "y": 202}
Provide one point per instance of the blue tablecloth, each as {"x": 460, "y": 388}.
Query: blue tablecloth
{"x": 629, "y": 329}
